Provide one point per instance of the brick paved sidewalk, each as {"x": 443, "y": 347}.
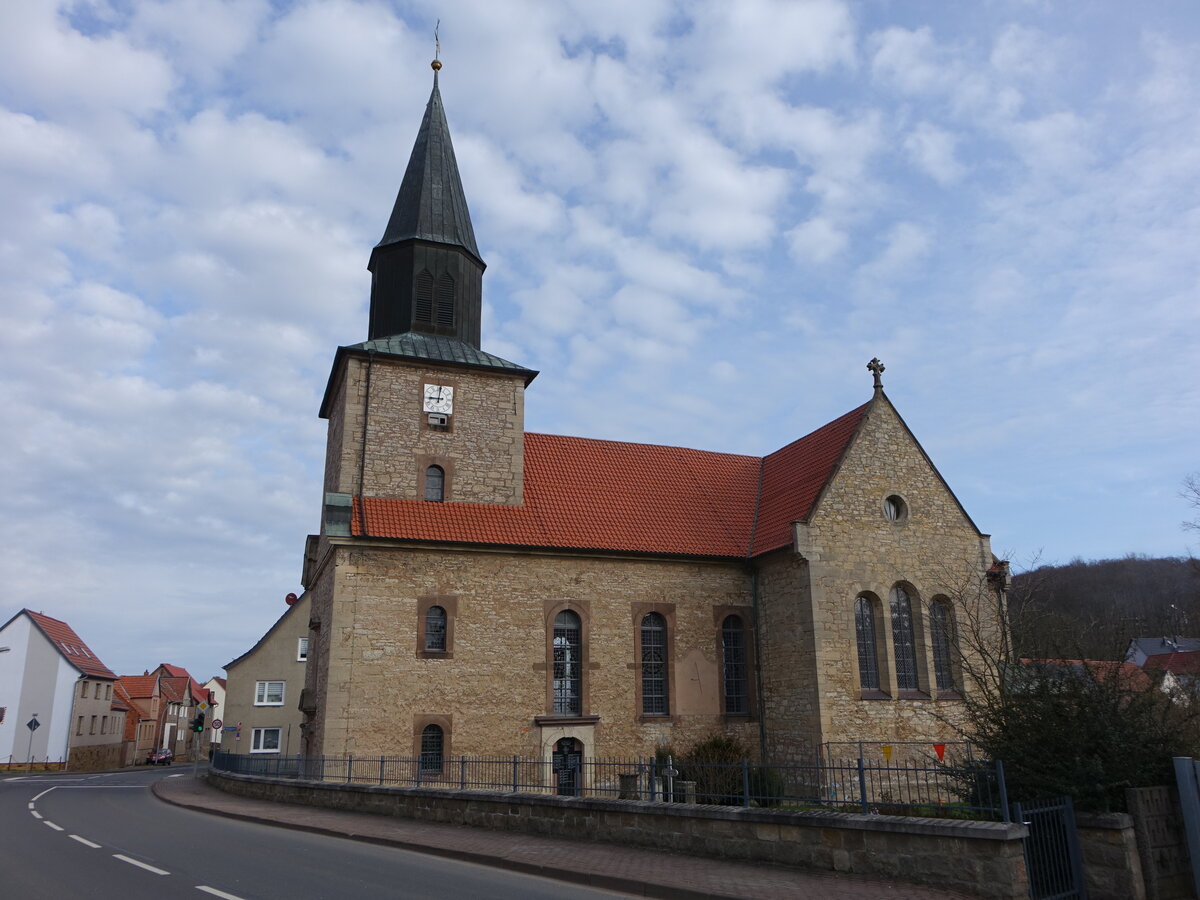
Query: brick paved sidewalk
{"x": 649, "y": 873}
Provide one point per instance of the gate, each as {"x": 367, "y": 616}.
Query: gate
{"x": 567, "y": 760}
{"x": 1052, "y": 856}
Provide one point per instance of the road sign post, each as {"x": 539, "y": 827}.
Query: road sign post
{"x": 33, "y": 725}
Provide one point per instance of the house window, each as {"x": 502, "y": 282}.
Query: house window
{"x": 941, "y": 632}
{"x": 264, "y": 740}
{"x": 108, "y": 692}
{"x": 97, "y": 690}
{"x": 104, "y": 724}
{"x": 895, "y": 510}
{"x": 433, "y": 742}
{"x": 445, "y": 304}
{"x": 904, "y": 641}
{"x": 79, "y": 726}
{"x": 864, "y": 632}
{"x": 435, "y": 628}
{"x": 424, "y": 297}
{"x": 83, "y": 691}
{"x": 568, "y": 658}
{"x": 435, "y": 484}
{"x": 302, "y": 649}
{"x": 268, "y": 693}
{"x": 92, "y": 730}
{"x": 735, "y": 683}
{"x": 654, "y": 665}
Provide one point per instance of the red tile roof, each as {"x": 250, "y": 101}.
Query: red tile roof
{"x": 173, "y": 689}
{"x": 139, "y": 685}
{"x": 587, "y": 494}
{"x": 174, "y": 671}
{"x": 70, "y": 645}
{"x": 1180, "y": 663}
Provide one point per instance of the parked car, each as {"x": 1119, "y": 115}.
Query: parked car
{"x": 163, "y": 757}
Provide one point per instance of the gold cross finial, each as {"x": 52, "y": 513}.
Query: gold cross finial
{"x": 875, "y": 367}
{"x": 436, "y": 65}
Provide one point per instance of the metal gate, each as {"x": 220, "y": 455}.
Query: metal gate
{"x": 1052, "y": 856}
{"x": 567, "y": 760}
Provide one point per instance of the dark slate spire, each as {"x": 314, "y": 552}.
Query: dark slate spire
{"x": 427, "y": 274}
{"x": 431, "y": 204}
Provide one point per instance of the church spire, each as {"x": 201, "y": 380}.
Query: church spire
{"x": 427, "y": 269}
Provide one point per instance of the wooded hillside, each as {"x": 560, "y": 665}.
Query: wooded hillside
{"x": 1092, "y": 609}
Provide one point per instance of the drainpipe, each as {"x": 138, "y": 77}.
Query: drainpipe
{"x": 362, "y": 454}
{"x": 758, "y": 683}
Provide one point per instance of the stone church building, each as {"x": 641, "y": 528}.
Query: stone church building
{"x": 477, "y": 589}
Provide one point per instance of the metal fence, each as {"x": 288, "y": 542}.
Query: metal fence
{"x": 975, "y": 791}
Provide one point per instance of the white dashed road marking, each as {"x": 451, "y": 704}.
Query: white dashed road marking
{"x": 216, "y": 893}
{"x": 85, "y": 841}
{"x": 35, "y": 813}
{"x": 50, "y": 824}
{"x": 140, "y": 865}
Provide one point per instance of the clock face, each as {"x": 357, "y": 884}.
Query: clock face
{"x": 439, "y": 398}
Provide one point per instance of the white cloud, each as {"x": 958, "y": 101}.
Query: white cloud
{"x": 933, "y": 151}
{"x": 816, "y": 240}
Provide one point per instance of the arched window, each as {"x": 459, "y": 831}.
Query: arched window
{"x": 435, "y": 628}
{"x": 904, "y": 641}
{"x": 424, "y": 297}
{"x": 654, "y": 665}
{"x": 864, "y": 630}
{"x": 733, "y": 659}
{"x": 941, "y": 632}
{"x": 445, "y": 301}
{"x": 433, "y": 743}
{"x": 435, "y": 484}
{"x": 568, "y": 663}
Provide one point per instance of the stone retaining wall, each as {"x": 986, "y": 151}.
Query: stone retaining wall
{"x": 980, "y": 858}
{"x": 1112, "y": 869}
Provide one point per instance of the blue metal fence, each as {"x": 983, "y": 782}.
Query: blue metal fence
{"x": 968, "y": 791}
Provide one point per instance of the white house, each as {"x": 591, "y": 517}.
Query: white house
{"x": 49, "y": 674}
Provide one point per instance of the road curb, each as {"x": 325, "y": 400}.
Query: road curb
{"x": 586, "y": 879}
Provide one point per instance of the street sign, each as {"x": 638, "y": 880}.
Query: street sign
{"x": 204, "y": 707}
{"x": 217, "y": 724}
{"x": 33, "y": 724}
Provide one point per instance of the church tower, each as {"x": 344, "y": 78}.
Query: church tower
{"x": 419, "y": 411}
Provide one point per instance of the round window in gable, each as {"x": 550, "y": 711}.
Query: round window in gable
{"x": 895, "y": 509}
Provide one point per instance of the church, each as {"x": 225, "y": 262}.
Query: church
{"x": 480, "y": 590}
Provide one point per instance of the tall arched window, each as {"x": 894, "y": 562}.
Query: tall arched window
{"x": 435, "y": 484}
{"x": 568, "y": 663}
{"x": 433, "y": 743}
{"x": 445, "y": 301}
{"x": 654, "y": 665}
{"x": 864, "y": 631}
{"x": 424, "y": 297}
{"x": 736, "y": 684}
{"x": 435, "y": 628}
{"x": 941, "y": 632}
{"x": 904, "y": 641}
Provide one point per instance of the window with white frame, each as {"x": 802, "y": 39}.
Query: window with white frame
{"x": 264, "y": 740}
{"x": 302, "y": 649}
{"x": 268, "y": 693}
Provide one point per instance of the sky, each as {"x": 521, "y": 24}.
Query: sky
{"x": 700, "y": 220}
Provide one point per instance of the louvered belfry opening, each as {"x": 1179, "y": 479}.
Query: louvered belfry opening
{"x": 423, "y": 300}
{"x": 445, "y": 301}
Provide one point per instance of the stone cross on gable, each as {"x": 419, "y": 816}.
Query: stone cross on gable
{"x": 875, "y": 367}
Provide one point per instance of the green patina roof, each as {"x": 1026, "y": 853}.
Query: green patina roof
{"x": 413, "y": 345}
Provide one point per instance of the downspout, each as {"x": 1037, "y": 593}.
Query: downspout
{"x": 758, "y": 682}
{"x": 362, "y": 450}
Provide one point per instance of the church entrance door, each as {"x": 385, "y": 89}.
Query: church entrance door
{"x": 567, "y": 763}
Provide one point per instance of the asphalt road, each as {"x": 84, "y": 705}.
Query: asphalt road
{"x": 106, "y": 836}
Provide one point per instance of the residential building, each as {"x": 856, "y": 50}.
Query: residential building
{"x": 261, "y": 713}
{"x": 48, "y": 674}
{"x": 1144, "y": 648}
{"x": 478, "y": 589}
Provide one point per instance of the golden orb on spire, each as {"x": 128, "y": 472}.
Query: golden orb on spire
{"x": 436, "y": 65}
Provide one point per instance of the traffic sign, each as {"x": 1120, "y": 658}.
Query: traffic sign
{"x": 217, "y": 724}
{"x": 33, "y": 724}
{"x": 204, "y": 707}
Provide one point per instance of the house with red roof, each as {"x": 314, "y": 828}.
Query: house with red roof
{"x": 51, "y": 678}
{"x": 477, "y": 589}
